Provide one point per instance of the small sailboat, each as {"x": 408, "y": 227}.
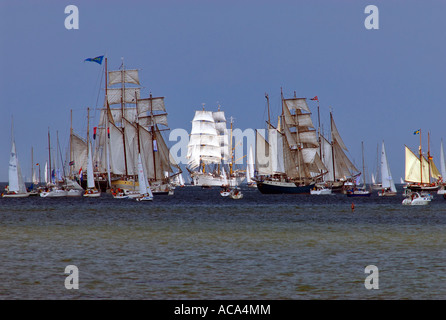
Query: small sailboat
{"x": 226, "y": 191}
{"x": 91, "y": 190}
{"x": 16, "y": 187}
{"x": 360, "y": 192}
{"x": 52, "y": 188}
{"x": 416, "y": 199}
{"x": 388, "y": 186}
{"x": 145, "y": 193}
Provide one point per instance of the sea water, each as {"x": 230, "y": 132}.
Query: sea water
{"x": 196, "y": 244}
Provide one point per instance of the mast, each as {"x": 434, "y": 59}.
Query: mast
{"x": 267, "y": 102}
{"x": 153, "y": 135}
{"x": 429, "y": 156}
{"x": 122, "y": 113}
{"x": 332, "y": 147}
{"x": 363, "y": 165}
{"x": 421, "y": 160}
{"x": 49, "y": 156}
{"x": 71, "y": 143}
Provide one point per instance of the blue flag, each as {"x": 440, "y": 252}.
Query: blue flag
{"x": 97, "y": 59}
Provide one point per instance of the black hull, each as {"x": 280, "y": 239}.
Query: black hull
{"x": 288, "y": 188}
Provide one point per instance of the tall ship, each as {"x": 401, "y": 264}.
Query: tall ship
{"x": 289, "y": 160}
{"x": 129, "y": 125}
{"x": 210, "y": 149}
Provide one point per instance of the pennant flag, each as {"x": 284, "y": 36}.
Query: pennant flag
{"x": 108, "y": 132}
{"x": 315, "y": 98}
{"x": 97, "y": 59}
{"x": 416, "y": 132}
{"x": 94, "y": 133}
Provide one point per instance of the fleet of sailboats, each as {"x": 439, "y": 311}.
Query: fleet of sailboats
{"x": 129, "y": 157}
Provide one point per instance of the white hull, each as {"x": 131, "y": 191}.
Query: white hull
{"x": 15, "y": 195}
{"x": 324, "y": 191}
{"x": 75, "y": 193}
{"x": 416, "y": 199}
{"x": 145, "y": 197}
{"x": 54, "y": 193}
{"x": 208, "y": 180}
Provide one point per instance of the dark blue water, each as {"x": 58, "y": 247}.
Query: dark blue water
{"x": 199, "y": 245}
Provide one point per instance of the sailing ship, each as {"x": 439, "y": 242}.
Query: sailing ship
{"x": 419, "y": 170}
{"x": 78, "y": 156}
{"x": 16, "y": 187}
{"x": 145, "y": 193}
{"x": 209, "y": 149}
{"x": 341, "y": 171}
{"x": 388, "y": 185}
{"x": 441, "y": 182}
{"x": 360, "y": 191}
{"x": 289, "y": 161}
{"x": 129, "y": 123}
{"x": 54, "y": 186}
{"x": 91, "y": 190}
{"x": 375, "y": 184}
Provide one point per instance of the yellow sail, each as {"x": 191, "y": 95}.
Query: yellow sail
{"x": 413, "y": 171}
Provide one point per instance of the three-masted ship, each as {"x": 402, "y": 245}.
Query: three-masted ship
{"x": 209, "y": 149}
{"x": 129, "y": 125}
{"x": 289, "y": 161}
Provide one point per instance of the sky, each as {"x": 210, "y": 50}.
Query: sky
{"x": 381, "y": 84}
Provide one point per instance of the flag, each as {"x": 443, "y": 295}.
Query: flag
{"x": 94, "y": 133}
{"x": 81, "y": 174}
{"x": 416, "y": 132}
{"x": 315, "y": 98}
{"x": 71, "y": 163}
{"x": 97, "y": 59}
{"x": 108, "y": 132}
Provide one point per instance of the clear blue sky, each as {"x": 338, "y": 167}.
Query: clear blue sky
{"x": 382, "y": 84}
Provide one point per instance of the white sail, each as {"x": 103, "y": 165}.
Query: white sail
{"x": 123, "y": 76}
{"x": 204, "y": 143}
{"x": 250, "y": 166}
{"x": 90, "y": 175}
{"x": 151, "y": 104}
{"x": 414, "y": 170}
{"x": 16, "y": 183}
{"x": 386, "y": 176}
{"x": 225, "y": 179}
{"x": 144, "y": 187}
{"x": 122, "y": 95}
{"x": 263, "y": 157}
